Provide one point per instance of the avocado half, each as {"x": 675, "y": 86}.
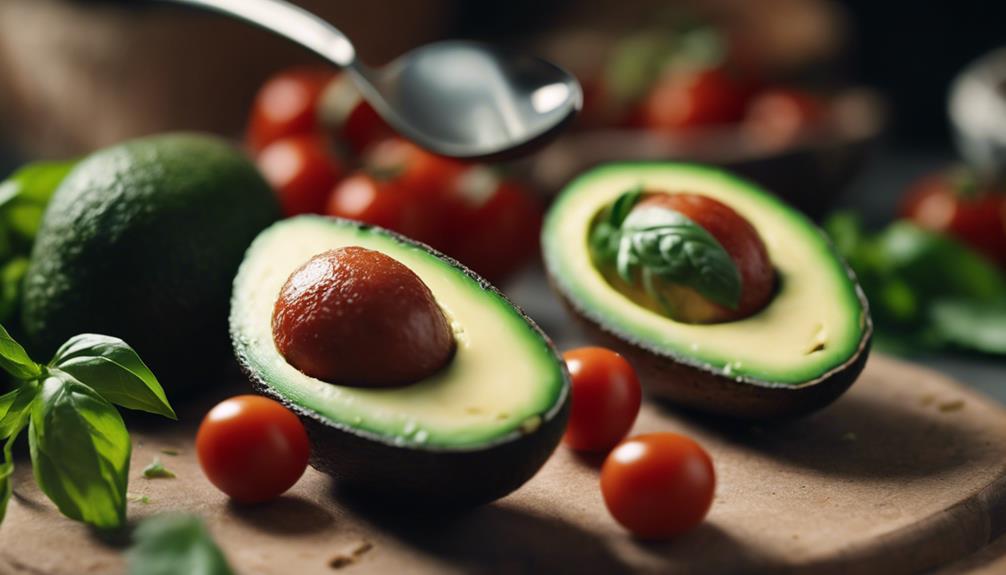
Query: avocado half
{"x": 799, "y": 353}
{"x": 469, "y": 434}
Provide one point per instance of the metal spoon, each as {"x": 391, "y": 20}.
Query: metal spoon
{"x": 456, "y": 98}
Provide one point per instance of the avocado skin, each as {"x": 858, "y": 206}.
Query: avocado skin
{"x": 142, "y": 241}
{"x": 420, "y": 477}
{"x": 698, "y": 387}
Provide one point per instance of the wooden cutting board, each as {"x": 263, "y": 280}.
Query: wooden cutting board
{"x": 906, "y": 472}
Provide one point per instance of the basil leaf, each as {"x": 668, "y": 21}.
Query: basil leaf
{"x": 171, "y": 544}
{"x": 14, "y": 359}
{"x": 109, "y": 366}
{"x": 14, "y": 408}
{"x": 6, "y": 471}
{"x": 156, "y": 470}
{"x": 607, "y": 233}
{"x": 80, "y": 451}
{"x": 24, "y": 195}
{"x": 676, "y": 249}
{"x": 970, "y": 324}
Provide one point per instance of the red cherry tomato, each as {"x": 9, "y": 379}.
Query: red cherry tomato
{"x": 422, "y": 173}
{"x": 777, "y": 117}
{"x": 688, "y": 100}
{"x": 740, "y": 239}
{"x": 386, "y": 203}
{"x": 353, "y": 121}
{"x": 956, "y": 203}
{"x": 606, "y": 397}
{"x": 287, "y": 105}
{"x": 302, "y": 170}
{"x": 658, "y": 485}
{"x": 496, "y": 223}
{"x": 252, "y": 448}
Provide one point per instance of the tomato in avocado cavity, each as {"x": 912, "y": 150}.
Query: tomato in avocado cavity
{"x": 302, "y": 169}
{"x": 957, "y": 202}
{"x": 742, "y": 243}
{"x": 354, "y": 316}
{"x": 605, "y": 399}
{"x": 252, "y": 448}
{"x": 658, "y": 485}
{"x": 287, "y": 105}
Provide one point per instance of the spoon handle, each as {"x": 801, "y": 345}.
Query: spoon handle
{"x": 289, "y": 21}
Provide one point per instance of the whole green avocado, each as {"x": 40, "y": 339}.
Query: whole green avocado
{"x": 142, "y": 241}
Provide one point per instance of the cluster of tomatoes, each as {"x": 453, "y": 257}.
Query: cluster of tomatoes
{"x": 656, "y": 485}
{"x": 326, "y": 151}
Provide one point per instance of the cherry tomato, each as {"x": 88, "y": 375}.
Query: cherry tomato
{"x": 302, "y": 170}
{"x": 252, "y": 448}
{"x": 740, "y": 240}
{"x": 287, "y": 105}
{"x": 957, "y": 203}
{"x": 496, "y": 223}
{"x": 693, "y": 99}
{"x": 422, "y": 173}
{"x": 777, "y": 117}
{"x": 606, "y": 397}
{"x": 353, "y": 121}
{"x": 658, "y": 485}
{"x": 386, "y": 203}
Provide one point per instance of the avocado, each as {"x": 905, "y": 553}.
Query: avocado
{"x": 142, "y": 241}
{"x": 797, "y": 354}
{"x": 468, "y": 434}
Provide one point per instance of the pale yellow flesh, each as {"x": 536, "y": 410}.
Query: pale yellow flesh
{"x": 501, "y": 378}
{"x": 813, "y": 324}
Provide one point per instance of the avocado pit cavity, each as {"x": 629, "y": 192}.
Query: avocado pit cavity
{"x": 357, "y": 317}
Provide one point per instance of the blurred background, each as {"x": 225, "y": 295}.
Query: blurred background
{"x": 838, "y": 106}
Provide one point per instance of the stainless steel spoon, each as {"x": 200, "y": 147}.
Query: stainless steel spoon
{"x": 456, "y": 98}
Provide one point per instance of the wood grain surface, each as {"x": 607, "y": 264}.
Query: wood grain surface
{"x": 906, "y": 472}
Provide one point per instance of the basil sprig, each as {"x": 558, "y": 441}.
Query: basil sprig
{"x": 169, "y": 544}
{"x": 654, "y": 245}
{"x": 79, "y": 445}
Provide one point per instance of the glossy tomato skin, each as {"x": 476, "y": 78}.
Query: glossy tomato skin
{"x": 605, "y": 399}
{"x": 952, "y": 202}
{"x": 389, "y": 204}
{"x": 287, "y": 105}
{"x": 252, "y": 448}
{"x": 422, "y": 173}
{"x": 496, "y": 223}
{"x": 658, "y": 485}
{"x": 683, "y": 101}
{"x": 302, "y": 170}
{"x": 741, "y": 241}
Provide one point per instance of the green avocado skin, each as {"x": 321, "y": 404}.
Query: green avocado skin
{"x": 142, "y": 241}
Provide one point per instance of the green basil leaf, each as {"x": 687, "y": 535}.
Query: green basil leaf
{"x": 6, "y": 471}
{"x": 676, "y": 249}
{"x": 156, "y": 470}
{"x": 14, "y": 359}
{"x": 14, "y": 408}
{"x": 171, "y": 544}
{"x": 971, "y": 325}
{"x": 113, "y": 369}
{"x": 606, "y": 233}
{"x": 80, "y": 451}
{"x": 24, "y": 195}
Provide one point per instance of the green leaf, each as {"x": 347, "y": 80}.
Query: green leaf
{"x": 972, "y": 325}
{"x": 11, "y": 277}
{"x": 14, "y": 408}
{"x": 113, "y": 369}
{"x": 6, "y": 471}
{"x": 675, "y": 249}
{"x": 607, "y": 232}
{"x": 14, "y": 359}
{"x": 80, "y": 451}
{"x": 156, "y": 470}
{"x": 24, "y": 195}
{"x": 171, "y": 544}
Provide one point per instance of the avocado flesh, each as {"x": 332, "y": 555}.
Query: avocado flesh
{"x": 141, "y": 241}
{"x": 504, "y": 382}
{"x": 816, "y": 326}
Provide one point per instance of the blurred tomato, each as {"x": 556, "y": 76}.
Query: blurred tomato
{"x": 345, "y": 114}
{"x": 423, "y": 173}
{"x": 302, "y": 170}
{"x": 496, "y": 223}
{"x": 778, "y": 116}
{"x": 956, "y": 202}
{"x": 684, "y": 100}
{"x": 286, "y": 105}
{"x": 386, "y": 203}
